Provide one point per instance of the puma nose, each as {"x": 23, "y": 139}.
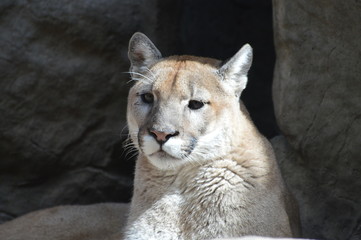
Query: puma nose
{"x": 162, "y": 136}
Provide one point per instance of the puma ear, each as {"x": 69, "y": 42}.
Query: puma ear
{"x": 234, "y": 71}
{"x": 142, "y": 53}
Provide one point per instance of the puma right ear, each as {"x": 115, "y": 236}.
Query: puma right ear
{"x": 142, "y": 53}
{"x": 235, "y": 70}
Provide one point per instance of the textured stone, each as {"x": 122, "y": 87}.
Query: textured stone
{"x": 317, "y": 103}
{"x": 325, "y": 213}
{"x": 99, "y": 221}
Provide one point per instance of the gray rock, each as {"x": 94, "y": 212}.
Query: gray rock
{"x": 317, "y": 102}
{"x": 324, "y": 214}
{"x": 88, "y": 222}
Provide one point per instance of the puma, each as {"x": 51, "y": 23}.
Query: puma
{"x": 203, "y": 170}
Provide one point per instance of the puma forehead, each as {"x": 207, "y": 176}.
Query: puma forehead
{"x": 183, "y": 76}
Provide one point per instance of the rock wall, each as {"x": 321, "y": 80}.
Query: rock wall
{"x": 63, "y": 88}
{"x": 317, "y": 97}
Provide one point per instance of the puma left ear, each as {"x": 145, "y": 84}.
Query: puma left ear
{"x": 142, "y": 53}
{"x": 235, "y": 70}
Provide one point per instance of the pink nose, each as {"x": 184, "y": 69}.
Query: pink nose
{"x": 161, "y": 136}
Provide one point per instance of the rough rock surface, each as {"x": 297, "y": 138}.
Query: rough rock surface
{"x": 317, "y": 97}
{"x": 101, "y": 221}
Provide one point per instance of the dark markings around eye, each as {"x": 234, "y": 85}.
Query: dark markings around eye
{"x": 147, "y": 98}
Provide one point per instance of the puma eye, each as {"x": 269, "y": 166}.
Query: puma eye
{"x": 194, "y": 104}
{"x": 147, "y": 98}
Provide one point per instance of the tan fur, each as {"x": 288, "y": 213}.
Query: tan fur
{"x": 225, "y": 181}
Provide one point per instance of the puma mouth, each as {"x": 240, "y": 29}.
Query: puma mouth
{"x": 163, "y": 155}
{"x": 173, "y": 151}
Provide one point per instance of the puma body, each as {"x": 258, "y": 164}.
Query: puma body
{"x": 203, "y": 169}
